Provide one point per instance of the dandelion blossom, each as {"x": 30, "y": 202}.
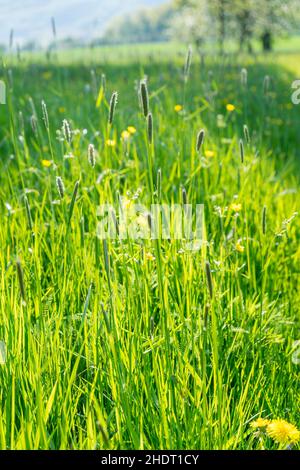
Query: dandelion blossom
{"x": 46, "y": 163}
{"x": 240, "y": 248}
{"x": 236, "y": 207}
{"x": 178, "y": 108}
{"x": 230, "y": 107}
{"x": 110, "y": 142}
{"x": 131, "y": 129}
{"x": 283, "y": 432}
{"x": 125, "y": 135}
{"x": 209, "y": 153}
{"x": 260, "y": 423}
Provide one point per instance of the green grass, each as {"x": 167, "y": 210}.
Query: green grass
{"x": 106, "y": 347}
{"x": 123, "y": 54}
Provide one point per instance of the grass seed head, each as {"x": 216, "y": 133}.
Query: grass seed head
{"x": 60, "y": 186}
{"x": 91, "y": 155}
{"x": 187, "y": 64}
{"x": 45, "y": 115}
{"x": 246, "y": 134}
{"x": 33, "y": 123}
{"x": 242, "y": 151}
{"x": 21, "y": 279}
{"x": 67, "y": 131}
{"x": 150, "y": 128}
{"x": 200, "y": 140}
{"x": 209, "y": 279}
{"x": 264, "y": 220}
{"x": 112, "y": 106}
{"x": 144, "y": 97}
{"x": 244, "y": 77}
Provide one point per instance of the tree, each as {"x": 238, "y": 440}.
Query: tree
{"x": 212, "y": 17}
{"x": 274, "y": 18}
{"x": 244, "y": 19}
{"x": 144, "y": 26}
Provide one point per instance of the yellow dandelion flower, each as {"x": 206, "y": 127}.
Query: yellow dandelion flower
{"x": 230, "y": 107}
{"x": 46, "y": 163}
{"x": 178, "y": 108}
{"x": 240, "y": 248}
{"x": 61, "y": 110}
{"x": 260, "y": 423}
{"x": 131, "y": 129}
{"x": 236, "y": 207}
{"x": 125, "y": 135}
{"x": 149, "y": 257}
{"x": 283, "y": 432}
{"x": 47, "y": 75}
{"x": 209, "y": 153}
{"x": 110, "y": 142}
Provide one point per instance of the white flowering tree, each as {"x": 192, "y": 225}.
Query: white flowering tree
{"x": 244, "y": 20}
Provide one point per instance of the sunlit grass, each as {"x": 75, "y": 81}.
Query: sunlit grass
{"x": 148, "y": 345}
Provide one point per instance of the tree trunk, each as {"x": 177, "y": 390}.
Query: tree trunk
{"x": 266, "y": 41}
{"x": 221, "y": 16}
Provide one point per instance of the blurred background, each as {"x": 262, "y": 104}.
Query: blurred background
{"x": 224, "y": 25}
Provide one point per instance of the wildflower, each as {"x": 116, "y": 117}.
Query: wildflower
{"x": 61, "y": 110}
{"x": 240, "y": 248}
{"x": 209, "y": 153}
{"x": 47, "y": 75}
{"x": 236, "y": 207}
{"x": 230, "y": 107}
{"x": 125, "y": 135}
{"x": 149, "y": 257}
{"x": 131, "y": 129}
{"x": 110, "y": 142}
{"x": 283, "y": 432}
{"x": 260, "y": 423}
{"x": 178, "y": 108}
{"x": 46, "y": 163}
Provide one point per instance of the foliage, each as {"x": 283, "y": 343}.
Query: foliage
{"x": 148, "y": 25}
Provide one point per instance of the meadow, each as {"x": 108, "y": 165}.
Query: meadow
{"x": 130, "y": 344}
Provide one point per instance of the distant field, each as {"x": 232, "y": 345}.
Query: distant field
{"x": 156, "y": 51}
{"x": 146, "y": 344}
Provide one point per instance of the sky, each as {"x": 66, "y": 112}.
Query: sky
{"x": 84, "y": 19}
